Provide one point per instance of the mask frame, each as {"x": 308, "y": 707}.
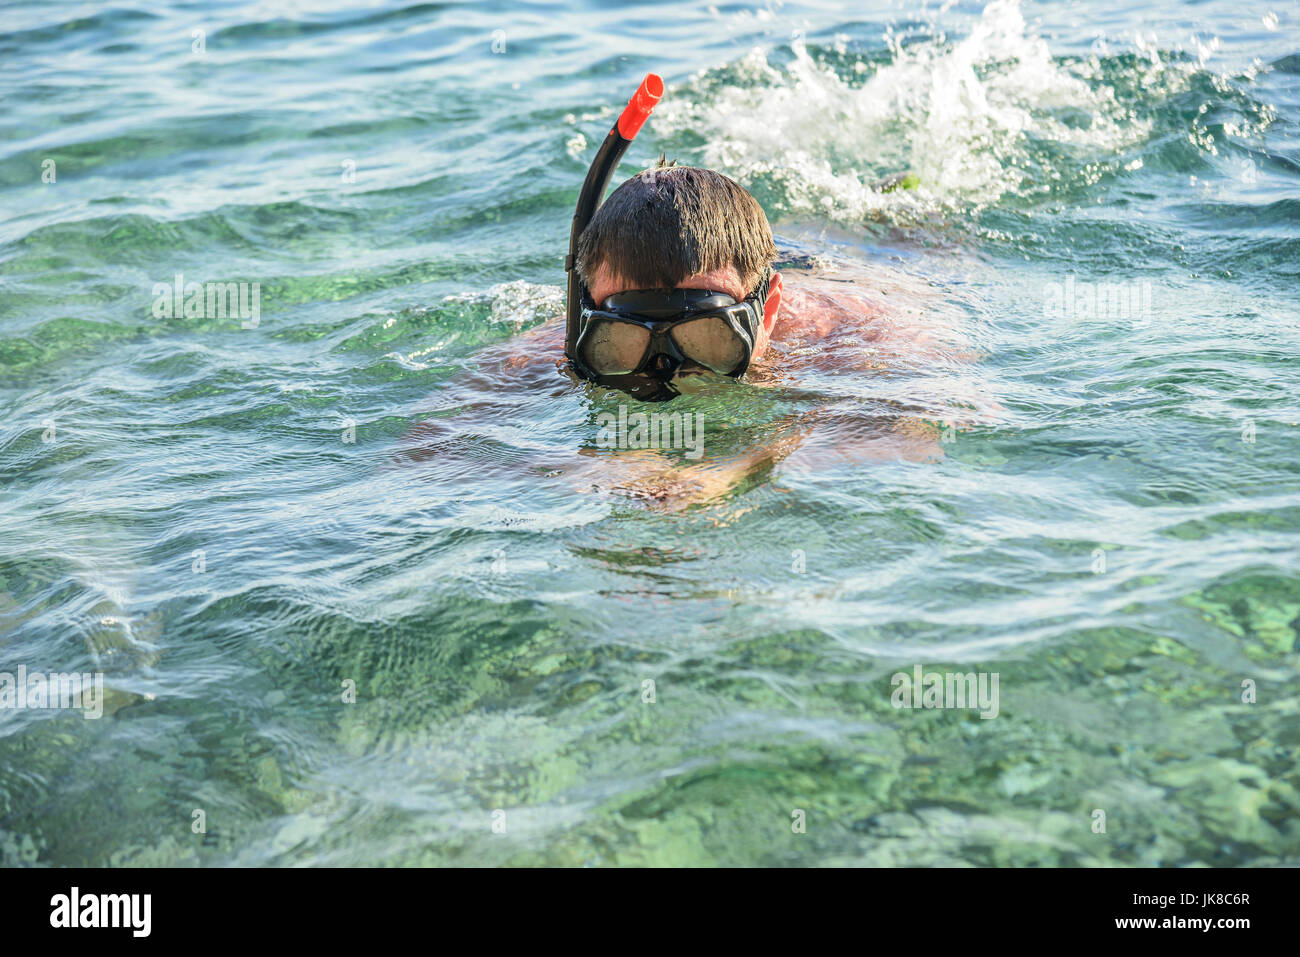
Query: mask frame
{"x": 659, "y": 311}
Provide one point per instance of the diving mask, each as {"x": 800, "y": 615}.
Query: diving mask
{"x": 639, "y": 340}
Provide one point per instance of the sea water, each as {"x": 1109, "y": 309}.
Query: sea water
{"x": 316, "y": 652}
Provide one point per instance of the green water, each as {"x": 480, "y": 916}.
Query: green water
{"x": 225, "y": 522}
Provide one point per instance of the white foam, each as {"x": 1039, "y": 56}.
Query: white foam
{"x": 959, "y": 115}
{"x": 517, "y": 303}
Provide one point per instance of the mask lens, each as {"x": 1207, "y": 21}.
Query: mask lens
{"x": 614, "y": 348}
{"x": 710, "y": 342}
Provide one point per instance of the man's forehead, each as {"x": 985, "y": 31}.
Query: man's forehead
{"x": 726, "y": 279}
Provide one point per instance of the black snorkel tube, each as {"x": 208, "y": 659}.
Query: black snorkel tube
{"x": 593, "y": 194}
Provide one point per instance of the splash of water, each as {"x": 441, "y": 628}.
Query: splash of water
{"x": 960, "y": 115}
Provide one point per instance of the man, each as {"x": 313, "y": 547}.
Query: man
{"x": 675, "y": 228}
{"x": 859, "y": 346}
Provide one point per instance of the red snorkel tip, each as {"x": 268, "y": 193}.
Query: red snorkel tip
{"x": 640, "y": 106}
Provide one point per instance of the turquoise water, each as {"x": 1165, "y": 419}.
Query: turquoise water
{"x": 238, "y": 522}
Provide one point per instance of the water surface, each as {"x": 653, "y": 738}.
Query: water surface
{"x": 217, "y": 517}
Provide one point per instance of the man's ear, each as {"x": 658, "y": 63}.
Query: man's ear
{"x": 773, "y": 302}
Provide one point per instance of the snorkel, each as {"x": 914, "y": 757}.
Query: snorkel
{"x": 629, "y": 123}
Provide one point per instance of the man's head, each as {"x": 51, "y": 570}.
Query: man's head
{"x": 679, "y": 227}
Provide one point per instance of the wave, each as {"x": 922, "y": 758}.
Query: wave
{"x": 977, "y": 119}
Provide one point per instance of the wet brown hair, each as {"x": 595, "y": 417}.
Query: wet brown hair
{"x": 671, "y": 222}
